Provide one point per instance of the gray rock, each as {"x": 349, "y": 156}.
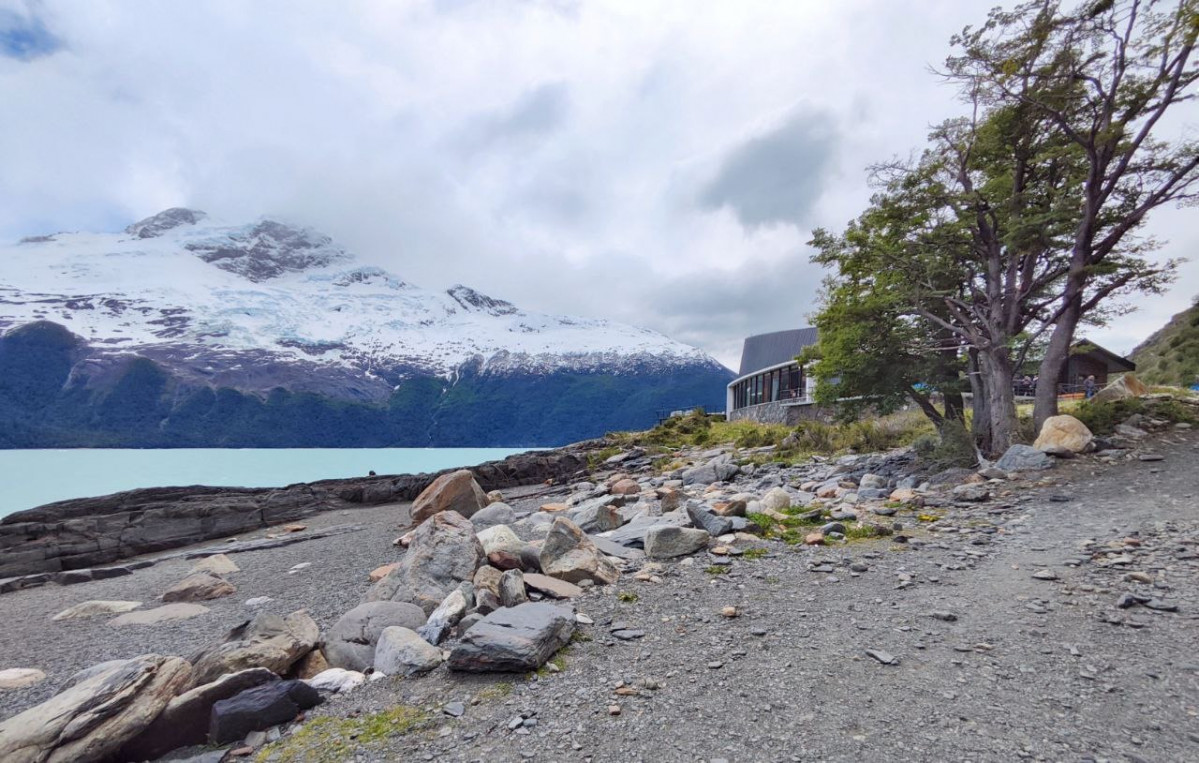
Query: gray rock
{"x": 633, "y": 534}
{"x": 1023, "y": 458}
{"x": 703, "y": 517}
{"x": 519, "y": 639}
{"x": 268, "y": 641}
{"x": 259, "y": 708}
{"x": 401, "y": 652}
{"x": 596, "y": 516}
{"x": 448, "y": 613}
{"x": 568, "y": 554}
{"x": 832, "y": 527}
{"x": 199, "y": 586}
{"x": 443, "y": 553}
{"x": 972, "y": 492}
{"x": 351, "y": 642}
{"x": 671, "y": 542}
{"x": 495, "y": 514}
{"x": 512, "y": 589}
{"x": 93, "y": 719}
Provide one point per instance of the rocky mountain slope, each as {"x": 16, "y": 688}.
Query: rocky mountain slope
{"x": 185, "y": 331}
{"x": 1171, "y": 354}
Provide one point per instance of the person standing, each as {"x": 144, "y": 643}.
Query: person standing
{"x": 1088, "y": 387}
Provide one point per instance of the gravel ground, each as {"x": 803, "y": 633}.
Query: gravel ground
{"x": 990, "y": 663}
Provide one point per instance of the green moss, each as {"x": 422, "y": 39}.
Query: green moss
{"x": 716, "y": 569}
{"x": 754, "y": 553}
{"x": 495, "y": 691}
{"x": 628, "y": 597}
{"x": 328, "y": 739}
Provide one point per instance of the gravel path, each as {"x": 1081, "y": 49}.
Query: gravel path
{"x": 990, "y": 663}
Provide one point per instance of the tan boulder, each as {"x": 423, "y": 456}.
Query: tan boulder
{"x": 495, "y": 496}
{"x": 553, "y": 508}
{"x": 905, "y": 494}
{"x": 20, "y": 678}
{"x": 487, "y": 578}
{"x": 310, "y": 665}
{"x": 96, "y": 607}
{"x": 730, "y": 508}
{"x": 444, "y": 553}
{"x": 1126, "y": 386}
{"x": 165, "y": 614}
{"x": 200, "y": 586}
{"x": 268, "y": 641}
{"x": 457, "y": 491}
{"x": 1063, "y": 433}
{"x": 814, "y": 539}
{"x": 217, "y": 564}
{"x": 93, "y": 719}
{"x": 379, "y": 573}
{"x": 626, "y": 487}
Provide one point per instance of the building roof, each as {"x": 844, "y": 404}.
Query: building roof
{"x": 766, "y": 350}
{"x": 1113, "y": 361}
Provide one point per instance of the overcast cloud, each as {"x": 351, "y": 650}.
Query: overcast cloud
{"x": 660, "y": 163}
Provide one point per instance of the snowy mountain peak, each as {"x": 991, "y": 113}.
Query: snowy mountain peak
{"x": 239, "y": 304}
{"x": 166, "y": 220}
{"x": 473, "y": 301}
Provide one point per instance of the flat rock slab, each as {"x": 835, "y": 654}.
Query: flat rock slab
{"x": 552, "y": 587}
{"x": 515, "y": 639}
{"x": 20, "y": 678}
{"x": 217, "y": 564}
{"x": 164, "y": 614}
{"x": 96, "y": 607}
{"x": 199, "y": 586}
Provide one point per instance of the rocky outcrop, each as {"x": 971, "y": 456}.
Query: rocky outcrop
{"x": 93, "y": 719}
{"x": 82, "y": 533}
{"x": 443, "y": 553}
{"x": 1126, "y": 386}
{"x": 259, "y": 708}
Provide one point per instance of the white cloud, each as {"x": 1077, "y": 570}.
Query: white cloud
{"x": 556, "y": 154}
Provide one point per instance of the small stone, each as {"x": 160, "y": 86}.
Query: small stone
{"x": 948, "y": 617}
{"x": 729, "y": 611}
{"x": 1045, "y": 575}
{"x": 613, "y": 709}
{"x": 583, "y": 619}
{"x": 454, "y": 709}
{"x": 258, "y": 601}
{"x": 715, "y": 665}
{"x": 20, "y": 678}
{"x": 885, "y": 658}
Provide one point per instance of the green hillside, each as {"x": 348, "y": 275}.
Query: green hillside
{"x": 1171, "y": 355}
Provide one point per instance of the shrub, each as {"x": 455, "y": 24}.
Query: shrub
{"x": 954, "y": 447}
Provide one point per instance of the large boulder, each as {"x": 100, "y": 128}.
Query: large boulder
{"x": 502, "y": 547}
{"x": 259, "y": 708}
{"x": 444, "y": 552}
{"x": 671, "y": 542}
{"x": 1023, "y": 458}
{"x": 456, "y": 491}
{"x": 401, "y": 652}
{"x": 448, "y": 613}
{"x": 93, "y": 719}
{"x": 1126, "y": 386}
{"x": 568, "y": 554}
{"x": 1064, "y": 434}
{"x": 268, "y": 641}
{"x": 515, "y": 639}
{"x": 352, "y": 640}
{"x": 184, "y": 721}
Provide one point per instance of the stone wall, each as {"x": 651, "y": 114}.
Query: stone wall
{"x": 779, "y": 412}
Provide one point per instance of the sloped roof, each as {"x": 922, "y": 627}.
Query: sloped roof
{"x": 1113, "y": 361}
{"x": 765, "y": 350}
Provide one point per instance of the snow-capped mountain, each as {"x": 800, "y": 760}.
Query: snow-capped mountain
{"x": 267, "y": 306}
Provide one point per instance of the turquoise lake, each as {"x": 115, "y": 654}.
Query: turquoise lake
{"x": 31, "y": 478}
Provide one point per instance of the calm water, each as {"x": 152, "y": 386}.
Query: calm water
{"x": 31, "y": 478}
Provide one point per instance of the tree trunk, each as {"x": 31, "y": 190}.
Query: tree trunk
{"x": 1057, "y": 353}
{"x": 996, "y": 369}
{"x": 980, "y": 426}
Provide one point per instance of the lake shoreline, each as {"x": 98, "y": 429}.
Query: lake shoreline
{"x": 79, "y": 534}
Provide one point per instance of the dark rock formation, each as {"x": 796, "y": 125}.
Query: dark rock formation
{"x": 82, "y": 533}
{"x": 259, "y": 708}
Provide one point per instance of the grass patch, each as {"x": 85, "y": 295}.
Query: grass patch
{"x": 1102, "y": 418}
{"x": 596, "y": 458}
{"x": 328, "y": 739}
{"x": 754, "y": 553}
{"x": 494, "y": 692}
{"x": 716, "y": 569}
{"x": 628, "y": 597}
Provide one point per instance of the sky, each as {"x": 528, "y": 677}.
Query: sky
{"x": 656, "y": 162}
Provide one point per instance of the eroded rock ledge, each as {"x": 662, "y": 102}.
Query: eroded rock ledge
{"x": 85, "y": 532}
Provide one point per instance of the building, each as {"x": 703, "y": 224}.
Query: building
{"x": 771, "y": 387}
{"x": 1089, "y": 359}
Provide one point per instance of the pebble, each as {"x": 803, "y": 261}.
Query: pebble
{"x": 1045, "y": 575}
{"x": 454, "y": 709}
{"x": 885, "y": 658}
{"x": 613, "y": 709}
